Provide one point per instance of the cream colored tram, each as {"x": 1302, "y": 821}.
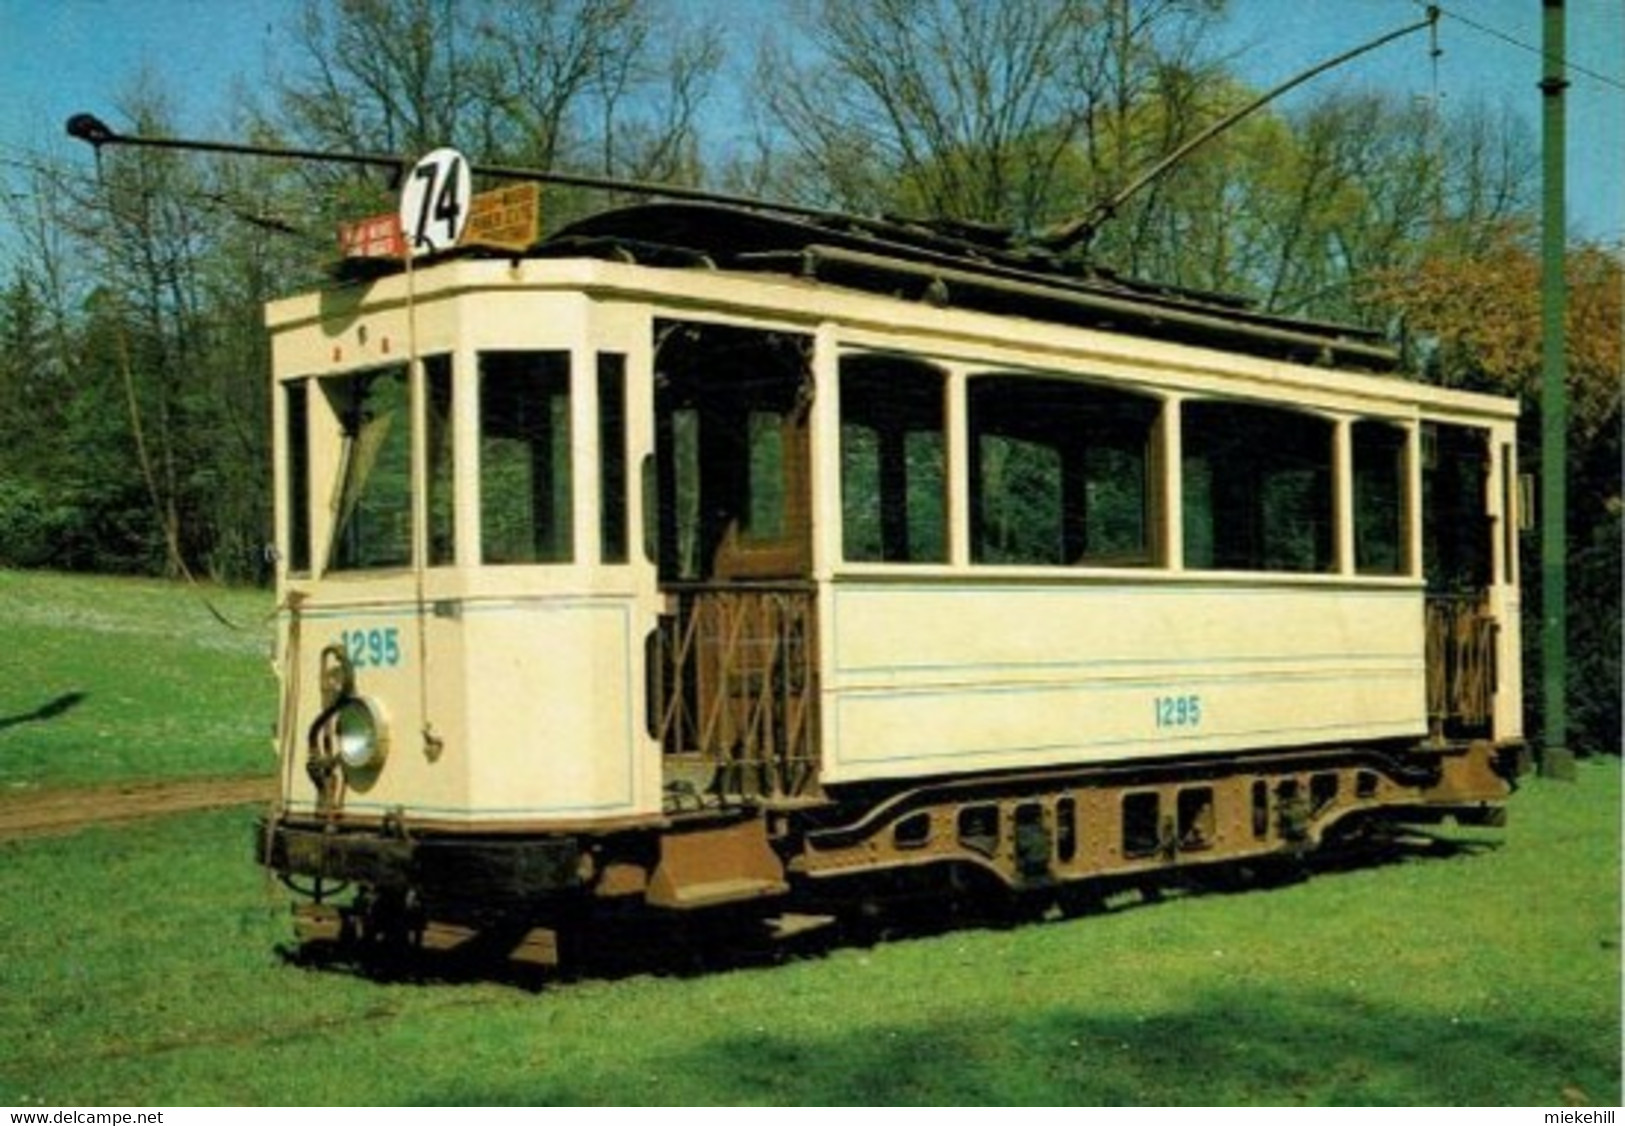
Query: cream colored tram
{"x": 702, "y": 557}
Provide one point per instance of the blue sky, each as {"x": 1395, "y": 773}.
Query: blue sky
{"x": 63, "y": 56}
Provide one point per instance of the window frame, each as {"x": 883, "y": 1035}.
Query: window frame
{"x": 1259, "y": 455}
{"x": 547, "y": 530}
{"x": 903, "y": 510}
{"x": 1395, "y": 443}
{"x": 1073, "y": 421}
{"x": 295, "y": 432}
{"x": 349, "y": 492}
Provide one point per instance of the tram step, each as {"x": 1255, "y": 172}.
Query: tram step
{"x": 700, "y": 867}
{"x": 722, "y": 891}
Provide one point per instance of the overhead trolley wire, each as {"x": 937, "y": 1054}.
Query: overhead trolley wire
{"x": 1513, "y": 41}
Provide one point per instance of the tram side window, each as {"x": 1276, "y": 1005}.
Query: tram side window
{"x": 1381, "y": 521}
{"x": 612, "y": 475}
{"x": 893, "y": 461}
{"x": 1257, "y": 489}
{"x": 438, "y": 439}
{"x": 373, "y": 527}
{"x": 525, "y": 481}
{"x": 1059, "y": 473}
{"x": 1456, "y": 527}
{"x": 296, "y": 439}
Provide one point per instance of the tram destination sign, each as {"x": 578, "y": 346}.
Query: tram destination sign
{"x": 506, "y": 218}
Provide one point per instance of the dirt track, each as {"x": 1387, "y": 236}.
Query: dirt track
{"x": 57, "y": 812}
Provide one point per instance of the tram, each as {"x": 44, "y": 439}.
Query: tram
{"x": 698, "y": 556}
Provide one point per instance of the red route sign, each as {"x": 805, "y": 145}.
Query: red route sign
{"x": 378, "y": 236}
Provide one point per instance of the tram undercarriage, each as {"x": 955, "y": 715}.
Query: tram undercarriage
{"x": 1040, "y": 840}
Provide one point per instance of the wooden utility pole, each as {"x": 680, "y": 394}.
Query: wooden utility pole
{"x": 1556, "y": 760}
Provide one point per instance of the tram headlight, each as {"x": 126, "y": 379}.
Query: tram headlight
{"x": 360, "y": 735}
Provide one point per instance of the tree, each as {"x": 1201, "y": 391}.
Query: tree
{"x": 610, "y": 87}
{"x": 32, "y": 517}
{"x": 959, "y": 109}
{"x": 161, "y": 358}
{"x": 1300, "y": 209}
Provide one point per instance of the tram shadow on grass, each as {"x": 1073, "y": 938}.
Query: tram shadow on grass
{"x": 1227, "y": 1045}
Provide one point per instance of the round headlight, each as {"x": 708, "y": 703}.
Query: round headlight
{"x": 360, "y": 735}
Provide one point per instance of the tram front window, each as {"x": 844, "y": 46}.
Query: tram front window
{"x": 373, "y": 526}
{"x": 525, "y": 509}
{"x": 296, "y": 498}
{"x": 439, "y": 480}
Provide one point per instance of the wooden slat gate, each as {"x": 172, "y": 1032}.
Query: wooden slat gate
{"x": 735, "y": 688}
{"x": 1460, "y": 664}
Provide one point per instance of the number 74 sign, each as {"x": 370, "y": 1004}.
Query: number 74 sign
{"x": 434, "y": 202}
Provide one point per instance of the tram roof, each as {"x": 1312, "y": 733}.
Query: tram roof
{"x": 952, "y": 264}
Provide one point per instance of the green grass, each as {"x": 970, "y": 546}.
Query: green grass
{"x": 139, "y": 968}
{"x": 110, "y": 680}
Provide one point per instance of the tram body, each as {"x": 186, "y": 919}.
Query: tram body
{"x": 610, "y": 573}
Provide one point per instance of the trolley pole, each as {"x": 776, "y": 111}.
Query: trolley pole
{"x": 1556, "y": 760}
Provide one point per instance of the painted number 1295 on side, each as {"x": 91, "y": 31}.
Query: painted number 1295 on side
{"x": 1178, "y": 711}
{"x": 372, "y": 648}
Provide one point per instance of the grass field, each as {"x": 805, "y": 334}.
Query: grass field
{"x": 140, "y": 965}
{"x": 111, "y": 680}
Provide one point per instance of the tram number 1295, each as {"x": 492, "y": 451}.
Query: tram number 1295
{"x": 372, "y": 648}
{"x": 1178, "y": 711}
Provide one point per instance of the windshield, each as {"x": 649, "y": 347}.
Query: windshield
{"x": 373, "y": 510}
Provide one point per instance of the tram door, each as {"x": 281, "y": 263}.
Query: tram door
{"x": 734, "y": 684}
{"x": 1457, "y": 558}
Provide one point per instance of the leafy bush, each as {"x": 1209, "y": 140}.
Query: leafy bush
{"x": 33, "y": 524}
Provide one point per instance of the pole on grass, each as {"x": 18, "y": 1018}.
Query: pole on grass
{"x": 1556, "y": 760}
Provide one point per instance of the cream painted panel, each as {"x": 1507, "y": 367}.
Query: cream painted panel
{"x": 533, "y": 701}
{"x": 893, "y": 629}
{"x": 388, "y": 652}
{"x": 1506, "y": 604}
{"x": 552, "y": 709}
{"x": 954, "y": 677}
